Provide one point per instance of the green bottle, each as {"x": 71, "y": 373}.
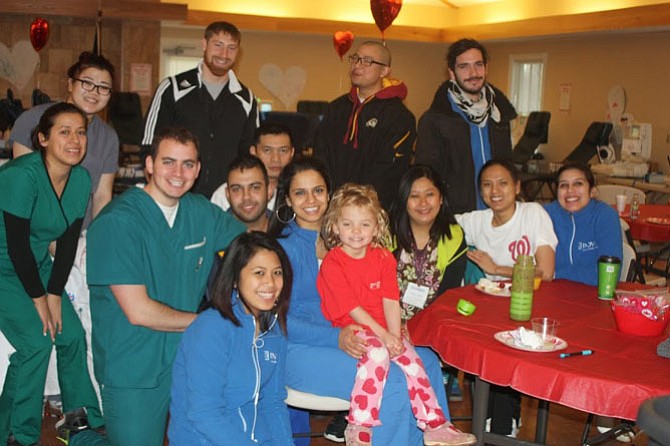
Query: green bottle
{"x": 521, "y": 301}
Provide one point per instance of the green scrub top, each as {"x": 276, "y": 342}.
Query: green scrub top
{"x": 130, "y": 243}
{"x": 26, "y": 192}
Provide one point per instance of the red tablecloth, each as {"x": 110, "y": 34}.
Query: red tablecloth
{"x": 624, "y": 371}
{"x": 641, "y": 229}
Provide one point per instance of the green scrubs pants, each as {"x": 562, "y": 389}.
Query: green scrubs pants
{"x": 22, "y": 395}
{"x": 133, "y": 417}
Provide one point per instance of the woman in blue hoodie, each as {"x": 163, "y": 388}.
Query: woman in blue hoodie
{"x": 321, "y": 358}
{"x": 586, "y": 228}
{"x": 228, "y": 376}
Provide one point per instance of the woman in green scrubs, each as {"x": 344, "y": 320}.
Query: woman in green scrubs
{"x": 43, "y": 198}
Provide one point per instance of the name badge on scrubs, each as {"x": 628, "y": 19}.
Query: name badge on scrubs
{"x": 415, "y": 295}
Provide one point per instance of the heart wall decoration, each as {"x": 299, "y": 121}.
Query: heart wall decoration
{"x": 286, "y": 85}
{"x": 18, "y": 64}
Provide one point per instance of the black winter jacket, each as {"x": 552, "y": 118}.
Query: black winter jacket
{"x": 370, "y": 142}
{"x": 443, "y": 142}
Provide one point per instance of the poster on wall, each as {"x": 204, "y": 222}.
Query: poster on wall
{"x": 564, "y": 97}
{"x": 140, "y": 78}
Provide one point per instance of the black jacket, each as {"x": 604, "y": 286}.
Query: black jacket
{"x": 443, "y": 142}
{"x": 370, "y": 142}
{"x": 224, "y": 126}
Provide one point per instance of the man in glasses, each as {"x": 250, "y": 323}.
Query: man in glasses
{"x": 212, "y": 103}
{"x": 467, "y": 124}
{"x": 367, "y": 135}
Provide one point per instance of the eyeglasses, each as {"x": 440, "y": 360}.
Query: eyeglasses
{"x": 364, "y": 61}
{"x": 103, "y": 90}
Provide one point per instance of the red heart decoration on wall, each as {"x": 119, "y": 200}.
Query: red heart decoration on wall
{"x": 39, "y": 33}
{"x": 385, "y": 12}
{"x": 342, "y": 40}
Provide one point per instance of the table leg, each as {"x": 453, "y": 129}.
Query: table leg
{"x": 542, "y": 418}
{"x": 480, "y": 405}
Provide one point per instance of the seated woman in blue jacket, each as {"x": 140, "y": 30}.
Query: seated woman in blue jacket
{"x": 321, "y": 358}
{"x": 228, "y": 376}
{"x": 586, "y": 228}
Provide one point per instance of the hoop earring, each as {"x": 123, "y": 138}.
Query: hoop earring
{"x": 290, "y": 219}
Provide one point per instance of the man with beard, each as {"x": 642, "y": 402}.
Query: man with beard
{"x": 367, "y": 134}
{"x": 211, "y": 102}
{"x": 247, "y": 192}
{"x": 467, "y": 124}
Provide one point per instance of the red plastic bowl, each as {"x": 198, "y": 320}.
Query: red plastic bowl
{"x": 637, "y": 324}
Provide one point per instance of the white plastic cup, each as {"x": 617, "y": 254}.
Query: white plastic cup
{"x": 620, "y": 203}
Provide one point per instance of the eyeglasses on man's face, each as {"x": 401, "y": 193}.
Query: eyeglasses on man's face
{"x": 103, "y": 90}
{"x": 365, "y": 61}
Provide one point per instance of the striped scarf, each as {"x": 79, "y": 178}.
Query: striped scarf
{"x": 477, "y": 112}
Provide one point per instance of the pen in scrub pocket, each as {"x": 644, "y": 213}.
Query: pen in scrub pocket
{"x": 582, "y": 353}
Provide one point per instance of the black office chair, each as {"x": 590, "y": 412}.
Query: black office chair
{"x": 125, "y": 112}
{"x": 535, "y": 133}
{"x": 596, "y": 135}
{"x": 302, "y": 128}
{"x": 654, "y": 417}
{"x": 318, "y": 108}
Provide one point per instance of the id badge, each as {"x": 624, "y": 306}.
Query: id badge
{"x": 415, "y": 295}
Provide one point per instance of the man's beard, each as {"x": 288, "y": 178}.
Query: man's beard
{"x": 469, "y": 90}
{"x": 216, "y": 70}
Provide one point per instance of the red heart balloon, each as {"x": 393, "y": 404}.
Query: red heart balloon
{"x": 342, "y": 40}
{"x": 385, "y": 12}
{"x": 39, "y": 33}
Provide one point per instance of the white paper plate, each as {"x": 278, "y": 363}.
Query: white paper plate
{"x": 550, "y": 345}
{"x": 500, "y": 292}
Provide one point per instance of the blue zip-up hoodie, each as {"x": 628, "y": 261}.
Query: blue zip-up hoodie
{"x": 583, "y": 237}
{"x": 228, "y": 386}
{"x": 308, "y": 325}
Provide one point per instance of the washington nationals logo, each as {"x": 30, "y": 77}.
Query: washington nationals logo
{"x": 519, "y": 247}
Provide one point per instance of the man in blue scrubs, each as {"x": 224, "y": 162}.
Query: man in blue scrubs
{"x": 150, "y": 252}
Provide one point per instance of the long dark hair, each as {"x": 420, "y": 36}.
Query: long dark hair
{"x": 400, "y": 221}
{"x": 283, "y": 212}
{"x": 48, "y": 119}
{"x": 238, "y": 254}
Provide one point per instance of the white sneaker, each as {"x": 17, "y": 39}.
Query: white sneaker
{"x": 515, "y": 427}
{"x": 626, "y": 437}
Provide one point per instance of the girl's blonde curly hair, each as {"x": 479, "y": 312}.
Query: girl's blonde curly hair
{"x": 358, "y": 195}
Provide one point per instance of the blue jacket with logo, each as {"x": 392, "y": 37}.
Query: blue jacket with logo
{"x": 583, "y": 237}
{"x": 228, "y": 384}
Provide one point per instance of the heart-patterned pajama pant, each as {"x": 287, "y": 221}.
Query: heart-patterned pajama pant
{"x": 366, "y": 395}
